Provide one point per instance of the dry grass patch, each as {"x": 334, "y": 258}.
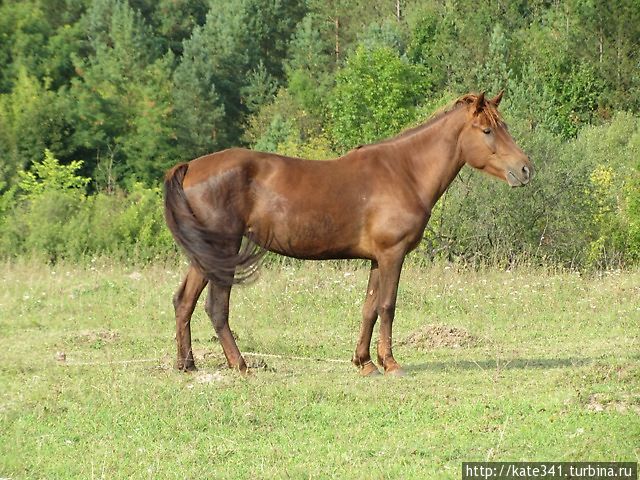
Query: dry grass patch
{"x": 441, "y": 336}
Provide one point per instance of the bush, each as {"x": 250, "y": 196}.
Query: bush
{"x": 582, "y": 208}
{"x": 50, "y": 216}
{"x": 611, "y": 152}
{"x": 125, "y": 226}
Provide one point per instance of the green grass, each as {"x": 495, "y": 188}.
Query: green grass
{"x": 552, "y": 374}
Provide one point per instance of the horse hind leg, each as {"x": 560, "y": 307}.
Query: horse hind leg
{"x": 184, "y": 302}
{"x": 217, "y": 307}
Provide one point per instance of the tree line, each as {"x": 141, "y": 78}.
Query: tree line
{"x": 121, "y": 90}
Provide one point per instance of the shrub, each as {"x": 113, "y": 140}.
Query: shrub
{"x": 50, "y": 216}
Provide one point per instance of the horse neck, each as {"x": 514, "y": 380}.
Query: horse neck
{"x": 432, "y": 156}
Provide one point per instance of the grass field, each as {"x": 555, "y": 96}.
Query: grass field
{"x": 518, "y": 365}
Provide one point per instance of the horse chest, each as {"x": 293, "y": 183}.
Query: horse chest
{"x": 397, "y": 228}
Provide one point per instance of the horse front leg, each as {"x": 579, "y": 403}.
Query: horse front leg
{"x": 184, "y": 302}
{"x": 217, "y": 307}
{"x": 390, "y": 268}
{"x": 362, "y": 356}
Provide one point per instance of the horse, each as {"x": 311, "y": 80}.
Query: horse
{"x": 228, "y": 208}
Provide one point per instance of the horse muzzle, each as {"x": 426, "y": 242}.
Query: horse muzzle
{"x": 519, "y": 177}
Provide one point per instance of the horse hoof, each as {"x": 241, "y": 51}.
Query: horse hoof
{"x": 189, "y": 367}
{"x": 396, "y": 372}
{"x": 369, "y": 370}
{"x": 242, "y": 369}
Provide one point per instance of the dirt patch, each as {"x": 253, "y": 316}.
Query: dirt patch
{"x": 599, "y": 402}
{"x": 440, "y": 336}
{"x": 205, "y": 353}
{"x": 102, "y": 336}
{"x": 204, "y": 377}
{"x": 215, "y": 359}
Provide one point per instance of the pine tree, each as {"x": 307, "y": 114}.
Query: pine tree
{"x": 233, "y": 61}
{"x": 123, "y": 99}
{"x": 494, "y": 74}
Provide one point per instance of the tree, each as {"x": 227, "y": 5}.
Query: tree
{"x": 375, "y": 97}
{"x": 341, "y": 21}
{"x": 604, "y": 36}
{"x": 24, "y": 30}
{"x": 230, "y": 65}
{"x": 201, "y": 126}
{"x": 494, "y": 74}
{"x": 49, "y": 175}
{"x": 174, "y": 20}
{"x": 32, "y": 118}
{"x": 122, "y": 95}
{"x": 435, "y": 44}
{"x": 309, "y": 66}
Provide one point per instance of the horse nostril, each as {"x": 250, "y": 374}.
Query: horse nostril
{"x": 525, "y": 172}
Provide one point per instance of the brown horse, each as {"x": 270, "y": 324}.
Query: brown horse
{"x": 373, "y": 203}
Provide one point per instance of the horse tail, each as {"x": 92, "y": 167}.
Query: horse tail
{"x": 208, "y": 250}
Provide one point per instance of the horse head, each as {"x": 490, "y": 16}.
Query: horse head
{"x": 486, "y": 144}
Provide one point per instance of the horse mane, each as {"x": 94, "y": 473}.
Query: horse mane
{"x": 489, "y": 110}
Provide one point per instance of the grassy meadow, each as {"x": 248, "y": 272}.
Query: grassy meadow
{"x": 529, "y": 364}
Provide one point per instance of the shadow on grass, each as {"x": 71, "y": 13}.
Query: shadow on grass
{"x": 506, "y": 364}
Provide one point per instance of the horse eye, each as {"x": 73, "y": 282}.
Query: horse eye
{"x": 487, "y": 131}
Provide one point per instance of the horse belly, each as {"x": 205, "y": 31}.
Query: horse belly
{"x": 309, "y": 210}
{"x": 314, "y": 235}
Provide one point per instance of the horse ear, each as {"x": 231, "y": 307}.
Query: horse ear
{"x": 498, "y": 98}
{"x": 479, "y": 104}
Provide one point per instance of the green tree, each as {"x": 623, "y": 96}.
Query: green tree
{"x": 341, "y": 22}
{"x": 149, "y": 144}
{"x": 24, "y": 29}
{"x": 605, "y": 36}
{"x": 123, "y": 98}
{"x": 611, "y": 153}
{"x": 375, "y": 97}
{"x": 174, "y": 20}
{"x": 36, "y": 213}
{"x": 49, "y": 175}
{"x": 230, "y": 65}
{"x": 555, "y": 89}
{"x": 494, "y": 74}
{"x": 201, "y": 126}
{"x": 32, "y": 118}
{"x": 309, "y": 66}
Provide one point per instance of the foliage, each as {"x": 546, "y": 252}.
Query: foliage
{"x": 49, "y": 216}
{"x": 122, "y": 96}
{"x": 130, "y": 87}
{"x": 612, "y": 153}
{"x": 230, "y": 64}
{"x": 495, "y": 72}
{"x": 375, "y": 96}
{"x": 32, "y": 118}
{"x": 285, "y": 126}
{"x": 579, "y": 211}
{"x": 49, "y": 175}
{"x": 310, "y": 65}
